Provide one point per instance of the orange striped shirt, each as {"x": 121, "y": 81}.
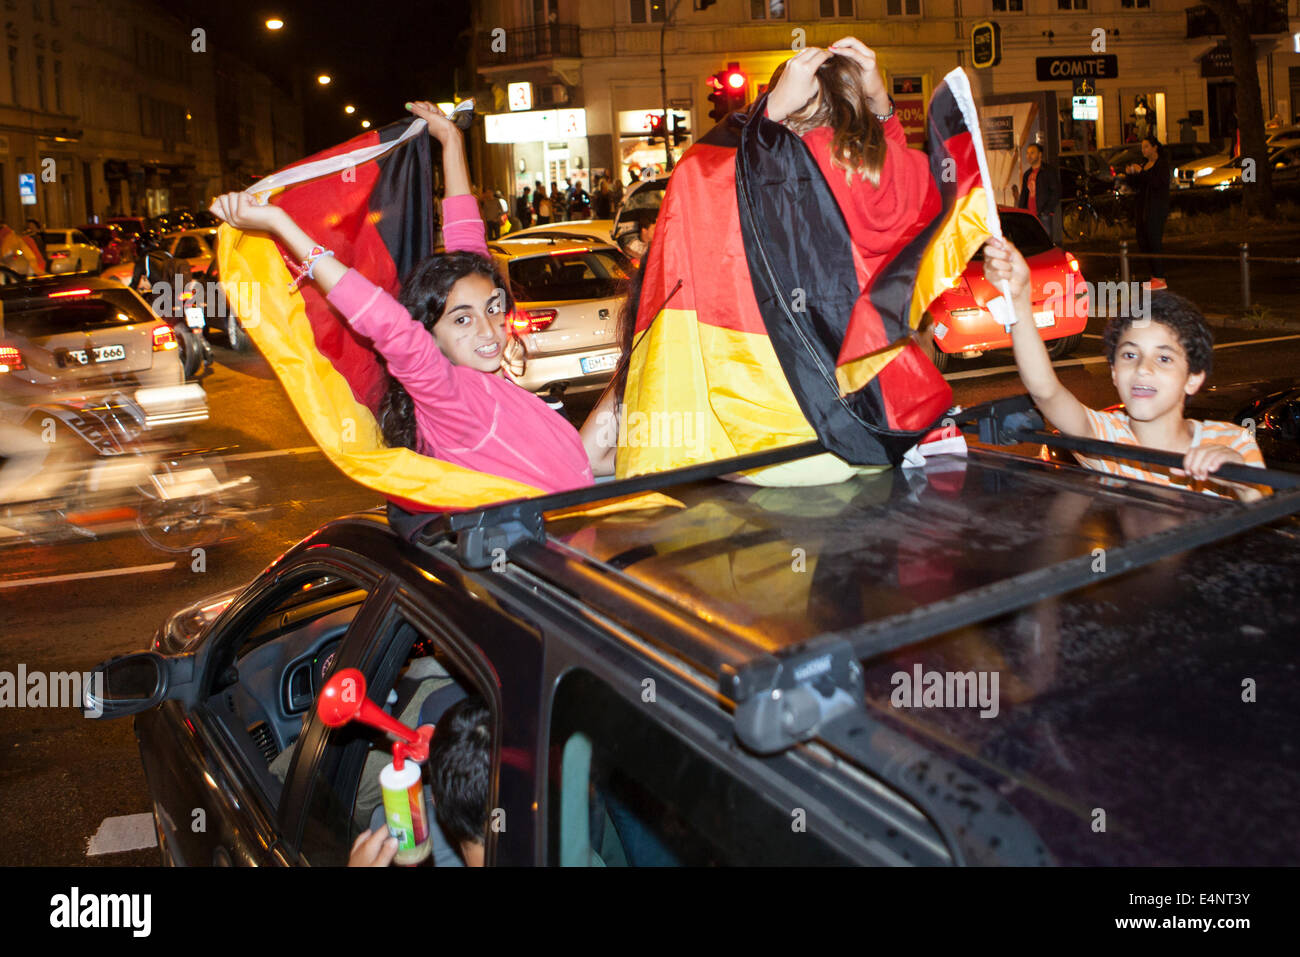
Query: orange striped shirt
{"x": 1114, "y": 427}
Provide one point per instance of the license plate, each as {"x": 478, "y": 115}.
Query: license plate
{"x": 97, "y": 354}
{"x": 599, "y": 363}
{"x": 194, "y": 317}
{"x": 1044, "y": 319}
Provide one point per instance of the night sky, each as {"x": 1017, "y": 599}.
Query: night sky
{"x": 380, "y": 55}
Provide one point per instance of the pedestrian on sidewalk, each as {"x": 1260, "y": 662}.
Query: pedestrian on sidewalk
{"x": 1040, "y": 192}
{"x": 1150, "y": 181}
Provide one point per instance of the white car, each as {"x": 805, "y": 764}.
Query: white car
{"x": 69, "y": 250}
{"x": 567, "y": 293}
{"x": 195, "y": 246}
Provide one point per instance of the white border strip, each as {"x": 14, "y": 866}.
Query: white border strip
{"x": 331, "y": 164}
{"x": 79, "y": 576}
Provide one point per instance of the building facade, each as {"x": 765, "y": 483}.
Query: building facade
{"x": 586, "y": 74}
{"x": 110, "y": 108}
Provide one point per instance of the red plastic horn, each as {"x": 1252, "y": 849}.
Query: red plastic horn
{"x": 343, "y": 699}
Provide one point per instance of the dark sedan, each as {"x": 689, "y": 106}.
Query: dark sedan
{"x": 990, "y": 659}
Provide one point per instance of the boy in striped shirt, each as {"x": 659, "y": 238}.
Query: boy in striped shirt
{"x": 1156, "y": 361}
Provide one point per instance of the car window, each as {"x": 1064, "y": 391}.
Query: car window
{"x": 80, "y": 237}
{"x": 1026, "y": 232}
{"x": 416, "y": 682}
{"x": 647, "y": 197}
{"x": 54, "y": 237}
{"x": 104, "y": 310}
{"x": 190, "y": 247}
{"x": 625, "y": 791}
{"x": 569, "y": 276}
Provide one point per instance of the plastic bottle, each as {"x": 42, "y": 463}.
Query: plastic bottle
{"x": 405, "y": 810}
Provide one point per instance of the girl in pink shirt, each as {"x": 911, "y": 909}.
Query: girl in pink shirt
{"x": 444, "y": 340}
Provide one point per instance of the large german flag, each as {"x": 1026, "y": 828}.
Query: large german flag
{"x": 370, "y": 201}
{"x": 757, "y": 326}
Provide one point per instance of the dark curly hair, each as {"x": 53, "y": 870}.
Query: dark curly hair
{"x": 1184, "y": 321}
{"x": 424, "y": 294}
{"x": 460, "y": 769}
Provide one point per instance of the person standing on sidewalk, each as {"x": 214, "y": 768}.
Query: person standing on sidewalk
{"x": 1040, "y": 192}
{"x": 1150, "y": 181}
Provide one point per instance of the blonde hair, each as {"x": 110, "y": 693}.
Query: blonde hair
{"x": 858, "y": 139}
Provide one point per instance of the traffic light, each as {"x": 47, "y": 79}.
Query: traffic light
{"x": 729, "y": 91}
{"x": 679, "y": 130}
{"x": 656, "y": 129}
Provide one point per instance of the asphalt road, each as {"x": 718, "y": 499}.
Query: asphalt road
{"x": 62, "y": 776}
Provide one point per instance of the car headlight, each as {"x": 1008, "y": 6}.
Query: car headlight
{"x": 1204, "y": 171}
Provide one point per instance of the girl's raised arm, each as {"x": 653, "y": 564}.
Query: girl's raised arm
{"x": 463, "y": 229}
{"x": 242, "y": 211}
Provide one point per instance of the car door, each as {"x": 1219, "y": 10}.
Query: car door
{"x": 211, "y": 754}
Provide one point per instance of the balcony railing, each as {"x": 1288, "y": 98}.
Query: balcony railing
{"x": 528, "y": 43}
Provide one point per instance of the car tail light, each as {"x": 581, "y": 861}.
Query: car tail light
{"x": 163, "y": 338}
{"x": 68, "y": 292}
{"x": 527, "y": 321}
{"x": 567, "y": 252}
{"x": 11, "y": 360}
{"x": 1074, "y": 263}
{"x": 58, "y": 254}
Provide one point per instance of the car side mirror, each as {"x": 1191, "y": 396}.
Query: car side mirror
{"x": 127, "y": 685}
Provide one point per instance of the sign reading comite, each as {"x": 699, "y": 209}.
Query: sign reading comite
{"x": 1055, "y": 68}
{"x": 536, "y": 125}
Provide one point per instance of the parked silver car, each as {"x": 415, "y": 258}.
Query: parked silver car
{"x": 567, "y": 296}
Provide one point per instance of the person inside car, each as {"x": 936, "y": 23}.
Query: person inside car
{"x": 460, "y": 771}
{"x": 1156, "y": 362}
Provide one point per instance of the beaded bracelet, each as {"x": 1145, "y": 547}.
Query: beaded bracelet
{"x": 307, "y": 269}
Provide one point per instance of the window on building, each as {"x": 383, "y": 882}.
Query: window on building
{"x": 37, "y": 12}
{"x": 40, "y": 80}
{"x": 1130, "y": 4}
{"x": 1072, "y": 4}
{"x": 903, "y": 8}
{"x": 836, "y": 8}
{"x": 13, "y": 75}
{"x": 1008, "y": 6}
{"x": 58, "y": 85}
{"x": 655, "y": 10}
{"x": 767, "y": 9}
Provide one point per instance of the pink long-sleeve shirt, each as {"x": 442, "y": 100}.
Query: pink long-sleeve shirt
{"x": 464, "y": 416}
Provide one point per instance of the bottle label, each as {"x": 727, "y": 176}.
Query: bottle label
{"x": 407, "y": 820}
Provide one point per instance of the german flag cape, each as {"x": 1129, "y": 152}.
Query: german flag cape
{"x": 370, "y": 201}
{"x": 15, "y": 247}
{"x": 757, "y": 328}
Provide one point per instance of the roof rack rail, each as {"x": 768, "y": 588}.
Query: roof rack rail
{"x": 482, "y": 534}
{"x": 787, "y": 696}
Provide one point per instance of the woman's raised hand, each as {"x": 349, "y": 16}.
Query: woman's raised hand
{"x": 244, "y": 212}
{"x": 797, "y": 85}
{"x": 873, "y": 84}
{"x": 1003, "y": 263}
{"x": 441, "y": 128}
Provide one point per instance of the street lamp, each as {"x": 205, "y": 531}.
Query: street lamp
{"x": 365, "y": 124}
{"x": 323, "y": 79}
{"x": 274, "y": 23}
{"x": 349, "y": 109}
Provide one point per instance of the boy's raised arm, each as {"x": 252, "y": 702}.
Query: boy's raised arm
{"x": 1002, "y": 261}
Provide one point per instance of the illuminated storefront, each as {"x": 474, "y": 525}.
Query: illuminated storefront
{"x": 544, "y": 145}
{"x": 638, "y": 158}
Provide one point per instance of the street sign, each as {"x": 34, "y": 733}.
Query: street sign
{"x": 27, "y": 188}
{"x": 1103, "y": 66}
{"x": 1082, "y": 87}
{"x": 1085, "y": 108}
{"x": 985, "y": 44}
{"x": 999, "y": 132}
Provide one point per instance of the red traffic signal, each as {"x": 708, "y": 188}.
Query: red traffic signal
{"x": 656, "y": 128}
{"x": 729, "y": 91}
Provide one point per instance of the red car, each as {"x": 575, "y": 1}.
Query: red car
{"x": 964, "y": 327}
{"x": 115, "y": 246}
